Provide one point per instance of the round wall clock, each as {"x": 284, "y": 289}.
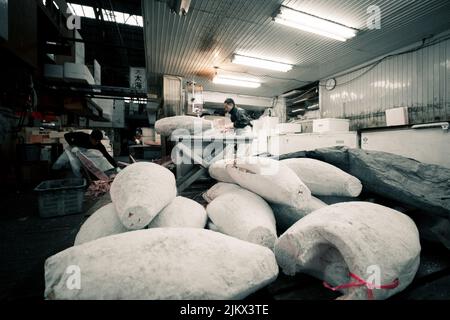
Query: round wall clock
{"x": 331, "y": 84}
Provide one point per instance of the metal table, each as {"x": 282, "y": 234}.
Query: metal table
{"x": 200, "y": 152}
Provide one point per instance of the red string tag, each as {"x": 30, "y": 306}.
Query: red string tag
{"x": 360, "y": 283}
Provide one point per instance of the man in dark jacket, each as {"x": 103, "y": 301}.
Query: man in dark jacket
{"x": 241, "y": 121}
{"x": 89, "y": 141}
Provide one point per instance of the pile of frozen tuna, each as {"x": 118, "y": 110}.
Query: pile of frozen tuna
{"x": 150, "y": 244}
{"x": 375, "y": 245}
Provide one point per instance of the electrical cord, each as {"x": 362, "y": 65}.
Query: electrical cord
{"x": 370, "y": 66}
{"x": 373, "y": 65}
{"x": 304, "y": 93}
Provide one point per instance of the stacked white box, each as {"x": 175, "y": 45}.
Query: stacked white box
{"x": 397, "y": 117}
{"x": 286, "y": 128}
{"x": 290, "y": 143}
{"x": 331, "y": 125}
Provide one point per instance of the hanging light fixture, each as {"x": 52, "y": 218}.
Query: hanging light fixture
{"x": 237, "y": 82}
{"x": 310, "y": 23}
{"x": 261, "y": 63}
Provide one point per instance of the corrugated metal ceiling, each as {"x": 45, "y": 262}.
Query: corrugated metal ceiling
{"x": 213, "y": 30}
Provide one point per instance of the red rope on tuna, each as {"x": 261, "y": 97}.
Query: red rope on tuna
{"x": 360, "y": 283}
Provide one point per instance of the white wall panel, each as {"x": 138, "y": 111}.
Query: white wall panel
{"x": 418, "y": 80}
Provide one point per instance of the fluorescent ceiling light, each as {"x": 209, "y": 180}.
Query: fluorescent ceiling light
{"x": 236, "y": 82}
{"x": 261, "y": 63}
{"x": 306, "y": 22}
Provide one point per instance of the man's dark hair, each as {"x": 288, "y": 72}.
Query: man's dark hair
{"x": 230, "y": 101}
{"x": 97, "y": 135}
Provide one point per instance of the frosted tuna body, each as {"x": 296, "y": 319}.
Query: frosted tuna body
{"x": 140, "y": 192}
{"x": 218, "y": 171}
{"x": 102, "y": 223}
{"x": 324, "y": 179}
{"x": 244, "y": 215}
{"x": 182, "y": 124}
{"x": 161, "y": 263}
{"x": 219, "y": 189}
{"x": 182, "y": 213}
{"x": 361, "y": 238}
{"x": 286, "y": 216}
{"x": 271, "y": 180}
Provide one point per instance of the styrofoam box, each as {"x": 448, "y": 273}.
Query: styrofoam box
{"x": 289, "y": 143}
{"x": 331, "y": 125}
{"x": 397, "y": 117}
{"x": 78, "y": 72}
{"x": 266, "y": 124}
{"x": 427, "y": 145}
{"x": 284, "y": 128}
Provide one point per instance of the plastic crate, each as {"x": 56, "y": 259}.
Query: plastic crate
{"x": 60, "y": 197}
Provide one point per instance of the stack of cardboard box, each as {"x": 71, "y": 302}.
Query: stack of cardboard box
{"x": 150, "y": 137}
{"x": 33, "y": 135}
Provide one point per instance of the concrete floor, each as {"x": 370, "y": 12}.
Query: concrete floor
{"x": 26, "y": 240}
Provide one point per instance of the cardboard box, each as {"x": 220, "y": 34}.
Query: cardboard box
{"x": 56, "y": 134}
{"x": 150, "y": 142}
{"x": 37, "y": 138}
{"x": 50, "y": 140}
{"x": 148, "y": 132}
{"x": 28, "y": 131}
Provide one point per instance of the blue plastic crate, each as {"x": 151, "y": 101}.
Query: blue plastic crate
{"x": 60, "y": 197}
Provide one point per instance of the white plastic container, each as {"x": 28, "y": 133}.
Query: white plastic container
{"x": 331, "y": 125}
{"x": 288, "y": 143}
